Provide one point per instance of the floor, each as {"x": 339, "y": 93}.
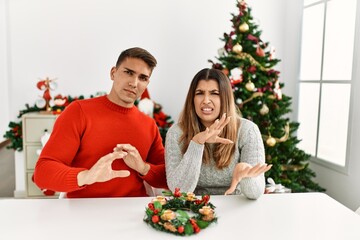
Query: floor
{"x": 7, "y": 172}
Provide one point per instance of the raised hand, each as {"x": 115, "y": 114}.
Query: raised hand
{"x": 243, "y": 170}
{"x": 211, "y": 134}
{"x": 133, "y": 158}
{"x": 102, "y": 170}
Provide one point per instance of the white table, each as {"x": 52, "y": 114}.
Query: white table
{"x": 273, "y": 216}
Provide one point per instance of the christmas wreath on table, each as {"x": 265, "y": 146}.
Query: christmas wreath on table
{"x": 169, "y": 213}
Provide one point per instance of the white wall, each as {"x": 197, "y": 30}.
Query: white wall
{"x": 77, "y": 42}
{"x": 4, "y": 89}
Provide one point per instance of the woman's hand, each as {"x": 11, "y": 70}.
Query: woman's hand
{"x": 102, "y": 170}
{"x": 133, "y": 158}
{"x": 211, "y": 134}
{"x": 243, "y": 170}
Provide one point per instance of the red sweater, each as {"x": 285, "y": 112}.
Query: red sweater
{"x": 89, "y": 129}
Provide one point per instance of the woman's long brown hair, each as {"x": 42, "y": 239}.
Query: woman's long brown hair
{"x": 191, "y": 125}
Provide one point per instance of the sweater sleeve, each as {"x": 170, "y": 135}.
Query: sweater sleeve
{"x": 53, "y": 169}
{"x": 156, "y": 176}
{"x": 182, "y": 171}
{"x": 252, "y": 152}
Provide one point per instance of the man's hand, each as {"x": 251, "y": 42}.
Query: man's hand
{"x": 133, "y": 158}
{"x": 102, "y": 170}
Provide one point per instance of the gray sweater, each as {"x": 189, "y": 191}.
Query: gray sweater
{"x": 188, "y": 173}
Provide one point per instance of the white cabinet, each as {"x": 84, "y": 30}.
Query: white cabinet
{"x": 34, "y": 126}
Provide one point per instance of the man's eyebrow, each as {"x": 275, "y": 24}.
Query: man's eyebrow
{"x": 144, "y": 76}
{"x": 141, "y": 74}
{"x": 130, "y": 70}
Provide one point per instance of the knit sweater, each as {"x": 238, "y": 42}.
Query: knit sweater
{"x": 190, "y": 174}
{"x": 88, "y": 130}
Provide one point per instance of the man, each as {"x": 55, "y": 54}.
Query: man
{"x": 79, "y": 157}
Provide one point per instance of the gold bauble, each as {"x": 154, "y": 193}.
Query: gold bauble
{"x": 237, "y": 48}
{"x": 271, "y": 141}
{"x": 244, "y": 27}
{"x": 250, "y": 86}
{"x": 264, "y": 109}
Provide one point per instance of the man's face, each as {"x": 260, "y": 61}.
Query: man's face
{"x": 130, "y": 78}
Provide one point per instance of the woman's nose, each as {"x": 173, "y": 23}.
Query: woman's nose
{"x": 206, "y": 99}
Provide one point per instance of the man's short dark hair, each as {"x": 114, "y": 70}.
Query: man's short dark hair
{"x": 140, "y": 53}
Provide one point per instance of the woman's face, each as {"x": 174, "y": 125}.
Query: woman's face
{"x": 207, "y": 101}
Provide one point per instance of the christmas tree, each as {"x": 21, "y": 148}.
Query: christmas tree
{"x": 249, "y": 63}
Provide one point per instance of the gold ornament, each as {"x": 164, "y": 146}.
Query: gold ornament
{"x": 244, "y": 27}
{"x": 250, "y": 86}
{"x": 252, "y": 60}
{"x": 271, "y": 141}
{"x": 264, "y": 109}
{"x": 237, "y": 48}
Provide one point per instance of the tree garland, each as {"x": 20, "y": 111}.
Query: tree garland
{"x": 169, "y": 214}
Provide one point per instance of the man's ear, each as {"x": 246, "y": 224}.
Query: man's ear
{"x": 112, "y": 72}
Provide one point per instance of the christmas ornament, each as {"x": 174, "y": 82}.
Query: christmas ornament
{"x": 250, "y": 86}
{"x": 272, "y": 53}
{"x": 259, "y": 51}
{"x": 46, "y": 85}
{"x": 225, "y": 71}
{"x": 244, "y": 27}
{"x": 271, "y": 141}
{"x": 264, "y": 109}
{"x": 237, "y": 48}
{"x": 168, "y": 213}
{"x": 221, "y": 52}
{"x": 277, "y": 90}
{"x": 236, "y": 74}
{"x": 59, "y": 100}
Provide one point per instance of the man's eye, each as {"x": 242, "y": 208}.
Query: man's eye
{"x": 144, "y": 79}
{"x": 128, "y": 72}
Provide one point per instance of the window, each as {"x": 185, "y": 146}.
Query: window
{"x": 325, "y": 80}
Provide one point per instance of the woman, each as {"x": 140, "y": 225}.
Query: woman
{"x": 212, "y": 149}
